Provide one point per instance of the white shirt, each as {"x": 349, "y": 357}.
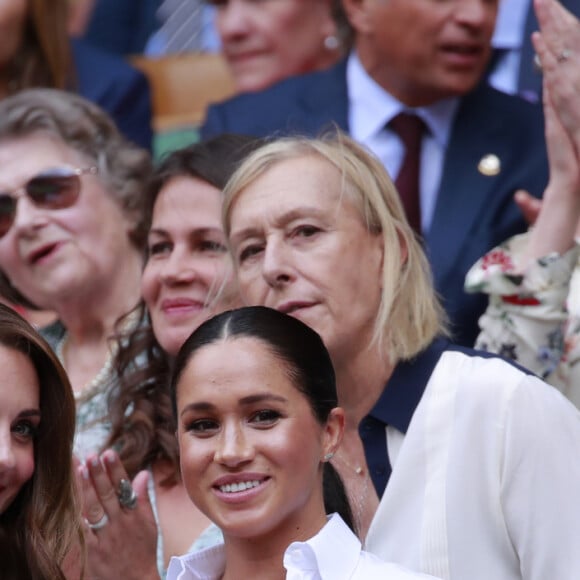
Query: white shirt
{"x": 486, "y": 482}
{"x": 371, "y": 108}
{"x": 508, "y": 35}
{"x": 332, "y": 554}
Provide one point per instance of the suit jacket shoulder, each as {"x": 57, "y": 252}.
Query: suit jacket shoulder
{"x": 305, "y": 104}
{"x": 117, "y": 87}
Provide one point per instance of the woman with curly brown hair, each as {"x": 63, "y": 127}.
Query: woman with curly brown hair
{"x": 38, "y": 517}
{"x": 187, "y": 278}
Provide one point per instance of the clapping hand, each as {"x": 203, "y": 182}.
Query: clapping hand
{"x": 121, "y": 532}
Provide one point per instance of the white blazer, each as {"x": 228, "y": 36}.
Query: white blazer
{"x": 486, "y": 484}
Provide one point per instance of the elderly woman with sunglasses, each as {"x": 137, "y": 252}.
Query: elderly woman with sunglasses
{"x": 71, "y": 234}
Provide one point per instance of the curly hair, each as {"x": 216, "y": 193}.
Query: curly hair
{"x": 42, "y": 523}
{"x": 143, "y": 427}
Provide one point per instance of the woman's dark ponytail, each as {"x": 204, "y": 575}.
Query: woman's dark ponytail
{"x": 335, "y": 497}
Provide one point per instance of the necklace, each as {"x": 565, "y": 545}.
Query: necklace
{"x": 100, "y": 380}
{"x": 356, "y": 488}
{"x": 97, "y": 383}
{"x": 358, "y": 469}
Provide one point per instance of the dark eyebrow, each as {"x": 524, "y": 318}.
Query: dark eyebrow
{"x": 157, "y": 231}
{"x": 196, "y": 232}
{"x": 262, "y": 397}
{"x": 204, "y": 406}
{"x": 29, "y": 413}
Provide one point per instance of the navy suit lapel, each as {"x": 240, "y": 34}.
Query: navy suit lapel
{"x": 464, "y": 190}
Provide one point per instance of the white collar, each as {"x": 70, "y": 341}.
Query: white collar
{"x": 333, "y": 552}
{"x": 207, "y": 564}
{"x": 510, "y": 24}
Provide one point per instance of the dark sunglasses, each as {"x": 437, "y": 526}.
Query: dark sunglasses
{"x": 54, "y": 188}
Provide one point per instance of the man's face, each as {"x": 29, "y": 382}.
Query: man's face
{"x": 422, "y": 51}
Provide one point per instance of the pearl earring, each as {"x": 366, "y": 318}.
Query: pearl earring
{"x": 331, "y": 42}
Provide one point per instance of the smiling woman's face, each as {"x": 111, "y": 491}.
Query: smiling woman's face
{"x": 250, "y": 446}
{"x": 19, "y": 420}
{"x": 188, "y": 263}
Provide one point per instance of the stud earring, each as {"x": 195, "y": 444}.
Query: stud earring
{"x": 328, "y": 456}
{"x": 331, "y": 42}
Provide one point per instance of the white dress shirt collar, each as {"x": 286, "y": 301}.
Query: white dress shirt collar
{"x": 207, "y": 564}
{"x": 510, "y": 24}
{"x": 332, "y": 553}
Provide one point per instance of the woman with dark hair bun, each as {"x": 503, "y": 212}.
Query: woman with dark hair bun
{"x": 38, "y": 517}
{"x": 258, "y": 422}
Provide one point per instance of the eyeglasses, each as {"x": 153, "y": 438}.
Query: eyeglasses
{"x": 55, "y": 188}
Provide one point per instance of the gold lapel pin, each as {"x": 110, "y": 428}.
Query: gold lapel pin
{"x": 489, "y": 165}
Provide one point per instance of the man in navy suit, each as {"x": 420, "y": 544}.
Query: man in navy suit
{"x": 426, "y": 57}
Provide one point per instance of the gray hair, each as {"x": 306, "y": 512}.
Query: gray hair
{"x": 124, "y": 168}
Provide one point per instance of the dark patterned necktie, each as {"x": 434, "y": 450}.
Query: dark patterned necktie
{"x": 410, "y": 129}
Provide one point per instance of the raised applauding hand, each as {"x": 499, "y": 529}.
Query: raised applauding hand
{"x": 119, "y": 520}
{"x": 557, "y": 217}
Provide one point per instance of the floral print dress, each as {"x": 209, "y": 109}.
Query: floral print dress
{"x": 532, "y": 318}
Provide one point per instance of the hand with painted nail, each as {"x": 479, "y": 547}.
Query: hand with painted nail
{"x": 119, "y": 520}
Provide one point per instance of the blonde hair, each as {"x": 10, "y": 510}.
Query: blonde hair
{"x": 410, "y": 315}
